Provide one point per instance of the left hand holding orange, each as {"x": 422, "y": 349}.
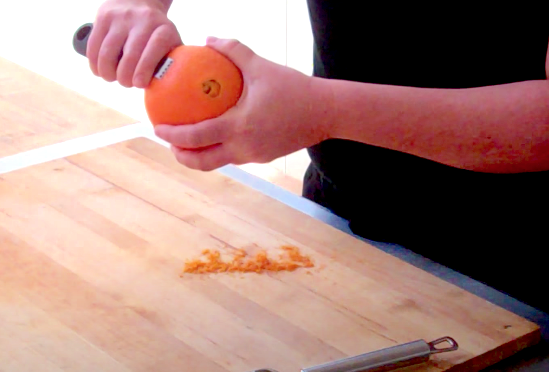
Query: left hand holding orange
{"x": 280, "y": 111}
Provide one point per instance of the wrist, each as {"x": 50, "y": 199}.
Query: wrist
{"x": 323, "y": 106}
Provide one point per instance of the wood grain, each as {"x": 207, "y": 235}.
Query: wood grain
{"x": 35, "y": 111}
{"x": 92, "y": 249}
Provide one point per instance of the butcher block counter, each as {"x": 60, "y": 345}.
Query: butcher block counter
{"x": 36, "y": 112}
{"x": 98, "y": 223}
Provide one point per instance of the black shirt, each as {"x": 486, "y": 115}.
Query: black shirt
{"x": 484, "y": 225}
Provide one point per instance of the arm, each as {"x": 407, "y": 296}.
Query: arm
{"x": 500, "y": 129}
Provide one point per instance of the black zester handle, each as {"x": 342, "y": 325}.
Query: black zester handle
{"x": 80, "y": 38}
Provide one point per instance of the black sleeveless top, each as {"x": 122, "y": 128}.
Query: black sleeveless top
{"x": 448, "y": 214}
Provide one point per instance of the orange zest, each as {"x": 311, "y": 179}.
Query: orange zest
{"x": 291, "y": 259}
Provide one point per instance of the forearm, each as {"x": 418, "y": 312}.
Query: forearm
{"x": 501, "y": 129}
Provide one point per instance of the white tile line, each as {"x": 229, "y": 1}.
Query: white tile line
{"x": 145, "y": 130}
{"x": 75, "y": 146}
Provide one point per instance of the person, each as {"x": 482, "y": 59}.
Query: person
{"x": 426, "y": 127}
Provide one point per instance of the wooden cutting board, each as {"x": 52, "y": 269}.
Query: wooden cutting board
{"x": 92, "y": 249}
{"x": 36, "y": 112}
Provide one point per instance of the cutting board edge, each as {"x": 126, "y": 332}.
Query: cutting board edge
{"x": 500, "y": 353}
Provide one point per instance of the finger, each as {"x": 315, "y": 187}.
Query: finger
{"x": 205, "y": 160}
{"x": 161, "y": 42}
{"x": 109, "y": 54}
{"x": 98, "y": 33}
{"x": 194, "y": 136}
{"x": 233, "y": 49}
{"x": 133, "y": 49}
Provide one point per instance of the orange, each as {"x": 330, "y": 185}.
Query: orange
{"x": 195, "y": 83}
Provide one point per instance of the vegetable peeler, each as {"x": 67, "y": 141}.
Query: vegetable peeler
{"x": 388, "y": 359}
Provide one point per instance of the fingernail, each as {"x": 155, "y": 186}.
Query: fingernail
{"x": 158, "y": 131}
{"x": 211, "y": 39}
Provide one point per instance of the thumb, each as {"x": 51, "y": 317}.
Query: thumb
{"x": 238, "y": 53}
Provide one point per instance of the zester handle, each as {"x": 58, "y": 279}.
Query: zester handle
{"x": 387, "y": 359}
{"x": 80, "y": 45}
{"x": 80, "y": 38}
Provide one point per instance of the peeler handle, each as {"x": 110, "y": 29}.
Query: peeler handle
{"x": 387, "y": 359}
{"x": 80, "y": 45}
{"x": 80, "y": 38}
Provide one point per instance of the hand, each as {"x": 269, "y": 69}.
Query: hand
{"x": 279, "y": 112}
{"x": 138, "y": 28}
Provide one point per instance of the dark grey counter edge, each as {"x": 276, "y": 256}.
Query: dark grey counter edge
{"x": 479, "y": 289}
